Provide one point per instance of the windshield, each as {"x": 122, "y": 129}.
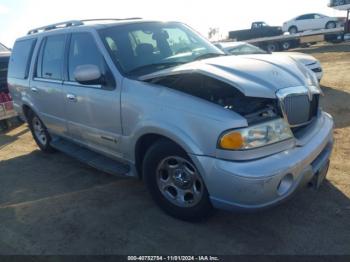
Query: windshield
{"x": 3, "y": 48}
{"x": 143, "y": 48}
{"x": 245, "y": 49}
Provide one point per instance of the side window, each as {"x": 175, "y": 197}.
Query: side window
{"x": 303, "y": 17}
{"x": 51, "y": 58}
{"x": 311, "y": 16}
{"x": 83, "y": 51}
{"x": 235, "y": 51}
{"x": 246, "y": 49}
{"x": 21, "y": 58}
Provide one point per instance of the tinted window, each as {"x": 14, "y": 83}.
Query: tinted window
{"x": 84, "y": 51}
{"x": 51, "y": 57}
{"x": 142, "y": 48}
{"x": 246, "y": 50}
{"x": 21, "y": 58}
{"x": 304, "y": 17}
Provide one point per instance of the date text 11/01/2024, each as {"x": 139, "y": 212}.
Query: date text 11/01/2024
{"x": 173, "y": 258}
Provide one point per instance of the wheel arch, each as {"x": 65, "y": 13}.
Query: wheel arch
{"x": 331, "y": 22}
{"x": 26, "y": 109}
{"x": 292, "y": 26}
{"x": 146, "y": 140}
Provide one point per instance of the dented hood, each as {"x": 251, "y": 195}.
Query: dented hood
{"x": 253, "y": 75}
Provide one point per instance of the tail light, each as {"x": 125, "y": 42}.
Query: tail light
{"x": 2, "y": 97}
{"x": 6, "y": 100}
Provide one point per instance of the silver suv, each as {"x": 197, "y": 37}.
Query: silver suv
{"x": 157, "y": 101}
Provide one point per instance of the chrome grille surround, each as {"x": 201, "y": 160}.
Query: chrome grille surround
{"x": 296, "y": 103}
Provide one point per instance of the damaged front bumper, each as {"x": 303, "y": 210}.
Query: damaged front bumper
{"x": 268, "y": 181}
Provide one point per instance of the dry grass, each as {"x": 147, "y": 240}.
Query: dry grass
{"x": 336, "y": 86}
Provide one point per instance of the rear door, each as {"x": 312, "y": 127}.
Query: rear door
{"x": 93, "y": 111}
{"x": 46, "y": 86}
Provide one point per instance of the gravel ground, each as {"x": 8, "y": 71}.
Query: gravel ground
{"x": 52, "y": 204}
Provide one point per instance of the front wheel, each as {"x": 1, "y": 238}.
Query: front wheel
{"x": 39, "y": 132}
{"x": 175, "y": 183}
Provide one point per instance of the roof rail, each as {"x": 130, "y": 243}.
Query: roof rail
{"x": 111, "y": 19}
{"x": 75, "y": 23}
{"x": 55, "y": 26}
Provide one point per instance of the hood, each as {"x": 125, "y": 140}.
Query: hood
{"x": 305, "y": 59}
{"x": 253, "y": 75}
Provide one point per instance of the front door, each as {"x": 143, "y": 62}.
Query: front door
{"x": 93, "y": 111}
{"x": 305, "y": 22}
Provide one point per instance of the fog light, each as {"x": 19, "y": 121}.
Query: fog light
{"x": 285, "y": 185}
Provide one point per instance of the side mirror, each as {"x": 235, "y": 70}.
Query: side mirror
{"x": 88, "y": 75}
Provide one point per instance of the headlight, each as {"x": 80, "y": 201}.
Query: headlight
{"x": 256, "y": 136}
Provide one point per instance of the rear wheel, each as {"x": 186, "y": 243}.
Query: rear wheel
{"x": 39, "y": 132}
{"x": 272, "y": 47}
{"x": 293, "y": 30}
{"x": 286, "y": 45}
{"x": 175, "y": 183}
{"x": 331, "y": 25}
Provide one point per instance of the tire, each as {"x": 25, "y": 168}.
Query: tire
{"x": 286, "y": 45}
{"x": 4, "y": 125}
{"x": 169, "y": 172}
{"x": 293, "y": 30}
{"x": 39, "y": 132}
{"x": 272, "y": 47}
{"x": 331, "y": 25}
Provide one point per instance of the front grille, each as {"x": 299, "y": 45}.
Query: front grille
{"x": 299, "y": 109}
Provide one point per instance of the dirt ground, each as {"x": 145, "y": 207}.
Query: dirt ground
{"x": 52, "y": 204}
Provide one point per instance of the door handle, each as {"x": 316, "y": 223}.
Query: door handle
{"x": 34, "y": 89}
{"x": 72, "y": 97}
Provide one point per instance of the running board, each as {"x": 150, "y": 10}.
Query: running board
{"x": 91, "y": 158}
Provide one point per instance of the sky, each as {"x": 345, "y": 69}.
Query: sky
{"x": 17, "y": 17}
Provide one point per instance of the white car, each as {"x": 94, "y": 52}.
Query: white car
{"x": 242, "y": 48}
{"x": 311, "y": 22}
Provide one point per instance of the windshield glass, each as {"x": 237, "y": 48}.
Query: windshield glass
{"x": 3, "y": 48}
{"x": 245, "y": 49}
{"x": 143, "y": 48}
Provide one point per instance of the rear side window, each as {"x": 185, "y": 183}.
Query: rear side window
{"x": 51, "y": 57}
{"x": 21, "y": 58}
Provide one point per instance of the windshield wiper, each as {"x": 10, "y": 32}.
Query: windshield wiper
{"x": 155, "y": 66}
{"x": 208, "y": 55}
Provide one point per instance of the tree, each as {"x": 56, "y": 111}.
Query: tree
{"x": 213, "y": 31}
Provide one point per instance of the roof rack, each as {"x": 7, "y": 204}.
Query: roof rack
{"x": 75, "y": 23}
{"x": 111, "y": 19}
{"x": 55, "y": 26}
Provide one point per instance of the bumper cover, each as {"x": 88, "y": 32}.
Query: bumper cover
{"x": 252, "y": 185}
